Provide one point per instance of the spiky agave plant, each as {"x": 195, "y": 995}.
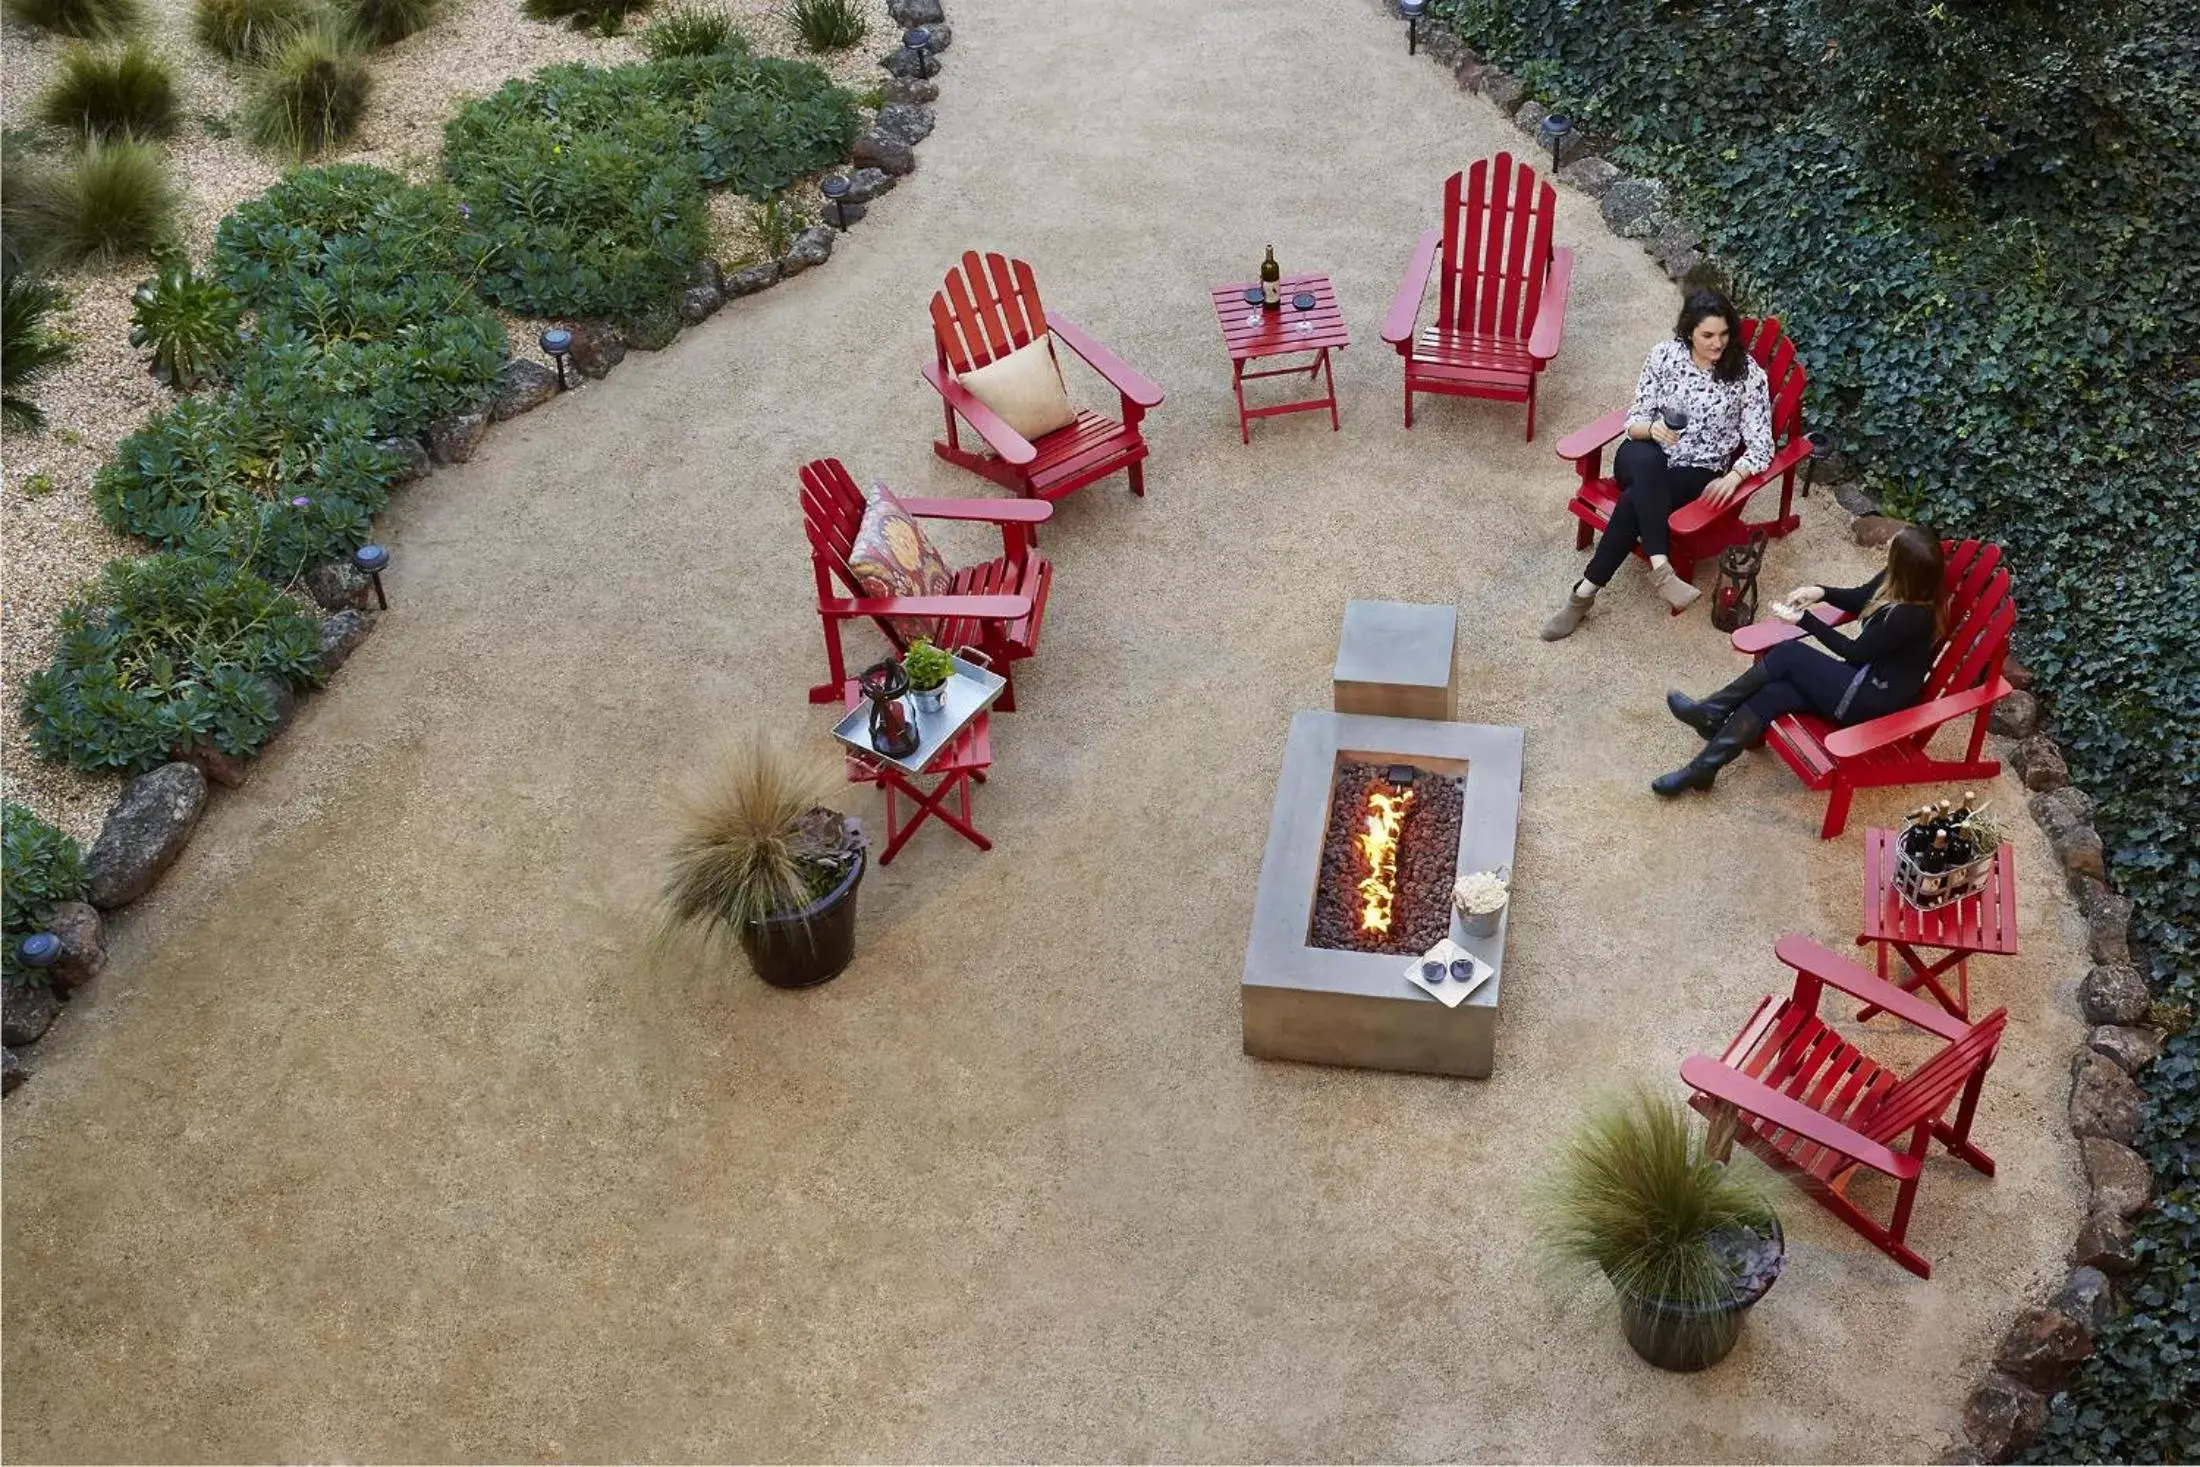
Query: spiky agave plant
{"x": 1635, "y": 1196}
{"x": 748, "y": 844}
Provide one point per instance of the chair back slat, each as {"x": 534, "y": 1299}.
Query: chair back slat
{"x": 1977, "y": 639}
{"x": 987, "y": 308}
{"x": 1926, "y": 1091}
{"x": 1498, "y": 218}
{"x": 832, "y": 513}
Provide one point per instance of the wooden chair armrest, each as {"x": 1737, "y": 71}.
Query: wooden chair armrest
{"x": 1550, "y": 312}
{"x": 1861, "y": 738}
{"x": 1707, "y": 1076}
{"x": 1011, "y": 445}
{"x": 1124, "y": 378}
{"x": 1697, "y": 513}
{"x": 1583, "y": 442}
{"x": 1760, "y": 637}
{"x": 1815, "y": 961}
{"x": 1405, "y": 306}
{"x": 981, "y": 608}
{"x": 988, "y": 511}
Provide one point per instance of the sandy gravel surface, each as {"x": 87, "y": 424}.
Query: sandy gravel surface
{"x": 382, "y": 1137}
{"x": 51, "y": 540}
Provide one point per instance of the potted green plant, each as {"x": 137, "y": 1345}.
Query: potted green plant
{"x": 928, "y": 669}
{"x": 762, "y": 858}
{"x": 1687, "y": 1244}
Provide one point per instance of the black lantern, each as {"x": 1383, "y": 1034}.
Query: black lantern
{"x": 1734, "y": 594}
{"x": 1821, "y": 446}
{"x": 835, "y": 190}
{"x": 370, "y": 561}
{"x": 1555, "y": 131}
{"x": 1411, "y": 10}
{"x": 555, "y": 343}
{"x": 916, "y": 42}
{"x": 892, "y": 732}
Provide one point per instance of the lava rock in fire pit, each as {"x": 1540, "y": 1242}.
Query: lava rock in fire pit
{"x": 1426, "y": 862}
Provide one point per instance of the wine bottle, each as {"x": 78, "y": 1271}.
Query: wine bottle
{"x": 1271, "y": 289}
{"x": 1936, "y": 859}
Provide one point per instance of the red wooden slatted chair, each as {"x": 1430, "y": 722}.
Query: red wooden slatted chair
{"x": 988, "y": 308}
{"x": 1812, "y": 1105}
{"x": 1965, "y": 681}
{"x": 995, "y": 607}
{"x": 1500, "y": 292}
{"x": 1701, "y": 530}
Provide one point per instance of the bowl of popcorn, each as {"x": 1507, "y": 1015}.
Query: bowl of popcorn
{"x": 1480, "y": 899}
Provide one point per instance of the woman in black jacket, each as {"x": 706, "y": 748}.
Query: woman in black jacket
{"x": 1900, "y": 613}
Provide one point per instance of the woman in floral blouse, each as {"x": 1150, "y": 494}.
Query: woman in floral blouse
{"x": 1705, "y": 373}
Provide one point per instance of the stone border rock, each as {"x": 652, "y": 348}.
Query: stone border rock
{"x": 2043, "y": 1348}
{"x": 153, "y": 818}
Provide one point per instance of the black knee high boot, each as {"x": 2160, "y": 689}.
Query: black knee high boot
{"x": 1706, "y": 717}
{"x": 1741, "y": 731}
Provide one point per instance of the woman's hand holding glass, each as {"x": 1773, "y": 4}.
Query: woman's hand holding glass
{"x": 1664, "y": 437}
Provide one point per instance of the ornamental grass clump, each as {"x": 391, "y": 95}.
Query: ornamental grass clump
{"x": 309, "y": 93}
{"x": 693, "y": 30}
{"x": 111, "y": 201}
{"x": 827, "y": 25}
{"x": 244, "y": 30}
{"x": 1634, "y": 1198}
{"x": 111, "y": 91}
{"x": 604, "y": 17}
{"x": 747, "y": 844}
{"x": 380, "y": 22}
{"x": 84, "y": 18}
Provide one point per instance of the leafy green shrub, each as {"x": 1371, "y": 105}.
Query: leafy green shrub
{"x": 45, "y": 867}
{"x": 163, "y": 653}
{"x": 1976, "y": 223}
{"x": 111, "y": 201}
{"x": 225, "y": 474}
{"x": 28, "y": 350}
{"x": 86, "y": 18}
{"x": 827, "y": 25}
{"x": 364, "y": 288}
{"x": 111, "y": 92}
{"x": 602, "y": 16}
{"x": 379, "y": 22}
{"x": 308, "y": 94}
{"x": 189, "y": 321}
{"x": 778, "y": 122}
{"x": 244, "y": 30}
{"x": 693, "y": 30}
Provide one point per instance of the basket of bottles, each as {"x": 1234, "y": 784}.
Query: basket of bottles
{"x": 1946, "y": 853}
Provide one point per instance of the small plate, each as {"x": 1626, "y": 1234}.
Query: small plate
{"x": 1252, "y": 295}
{"x": 1447, "y": 990}
{"x": 1302, "y": 301}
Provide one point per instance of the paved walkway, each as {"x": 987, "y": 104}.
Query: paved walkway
{"x": 381, "y": 1139}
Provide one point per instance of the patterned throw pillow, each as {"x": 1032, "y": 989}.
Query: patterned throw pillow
{"x": 891, "y": 557}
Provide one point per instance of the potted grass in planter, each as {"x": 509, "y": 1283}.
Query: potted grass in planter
{"x": 761, "y": 857}
{"x": 1687, "y": 1244}
{"x": 928, "y": 669}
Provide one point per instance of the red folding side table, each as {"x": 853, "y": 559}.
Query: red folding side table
{"x": 965, "y": 758}
{"x": 1249, "y": 333}
{"x": 1982, "y": 924}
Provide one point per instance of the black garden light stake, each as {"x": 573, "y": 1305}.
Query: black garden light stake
{"x": 1821, "y": 445}
{"x": 917, "y": 42}
{"x": 556, "y": 343}
{"x": 371, "y": 561}
{"x": 1411, "y": 10}
{"x": 1555, "y": 130}
{"x": 835, "y": 190}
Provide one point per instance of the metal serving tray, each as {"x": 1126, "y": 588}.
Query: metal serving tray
{"x": 970, "y": 691}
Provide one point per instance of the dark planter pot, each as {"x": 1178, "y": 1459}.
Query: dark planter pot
{"x": 805, "y": 948}
{"x": 1686, "y": 1337}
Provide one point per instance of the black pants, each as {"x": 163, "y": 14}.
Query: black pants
{"x": 1806, "y": 680}
{"x": 1650, "y": 490}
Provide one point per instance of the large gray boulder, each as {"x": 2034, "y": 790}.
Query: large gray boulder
{"x": 29, "y": 1011}
{"x": 2003, "y": 1416}
{"x": 337, "y": 585}
{"x": 597, "y": 348}
{"x": 2104, "y": 1101}
{"x": 341, "y": 635}
{"x": 83, "y": 945}
{"x": 2016, "y": 716}
{"x": 814, "y": 246}
{"x": 1593, "y": 176}
{"x": 414, "y": 462}
{"x": 1631, "y": 207}
{"x": 2114, "y": 993}
{"x": 2131, "y": 1047}
{"x": 2121, "y": 1180}
{"x": 454, "y": 439}
{"x": 909, "y": 89}
{"x": 521, "y": 387}
{"x": 866, "y": 184}
{"x": 885, "y": 152}
{"x": 145, "y": 832}
{"x": 909, "y": 122}
{"x": 908, "y": 13}
{"x": 755, "y": 278}
{"x": 2044, "y": 1348}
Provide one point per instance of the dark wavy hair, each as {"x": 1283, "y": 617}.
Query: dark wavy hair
{"x": 1733, "y": 363}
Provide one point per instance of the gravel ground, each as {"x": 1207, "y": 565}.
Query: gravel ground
{"x": 51, "y": 540}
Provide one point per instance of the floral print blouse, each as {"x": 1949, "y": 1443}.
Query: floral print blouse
{"x": 1721, "y": 415}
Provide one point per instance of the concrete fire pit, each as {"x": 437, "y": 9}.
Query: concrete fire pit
{"x": 1334, "y": 1007}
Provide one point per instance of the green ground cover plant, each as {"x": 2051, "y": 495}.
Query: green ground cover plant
{"x": 243, "y": 30}
{"x": 45, "y": 868}
{"x": 189, "y": 321}
{"x": 111, "y": 91}
{"x": 164, "y": 652}
{"x": 1976, "y": 222}
{"x": 775, "y": 123}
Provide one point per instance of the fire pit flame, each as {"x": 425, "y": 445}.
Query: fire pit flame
{"x": 1386, "y": 815}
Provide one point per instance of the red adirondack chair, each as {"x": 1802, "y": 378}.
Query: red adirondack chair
{"x": 988, "y": 308}
{"x": 1701, "y": 530}
{"x": 1812, "y": 1105}
{"x": 1965, "y": 681}
{"x": 995, "y": 607}
{"x": 1500, "y": 291}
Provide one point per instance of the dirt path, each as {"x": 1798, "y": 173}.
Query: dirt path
{"x": 382, "y": 1140}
